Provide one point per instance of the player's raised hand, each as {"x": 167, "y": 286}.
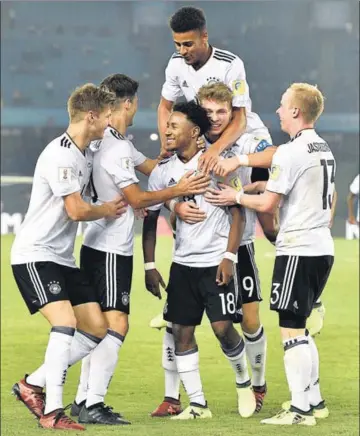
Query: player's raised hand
{"x": 189, "y": 212}
{"x": 226, "y": 196}
{"x": 208, "y": 160}
{"x": 225, "y": 272}
{"x": 200, "y": 142}
{"x": 153, "y": 280}
{"x": 116, "y": 207}
{"x": 193, "y": 183}
{"x": 226, "y": 166}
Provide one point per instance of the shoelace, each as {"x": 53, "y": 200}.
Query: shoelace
{"x": 61, "y": 416}
{"x": 110, "y": 409}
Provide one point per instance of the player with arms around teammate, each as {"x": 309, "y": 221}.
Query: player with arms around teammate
{"x": 216, "y": 99}
{"x": 107, "y": 251}
{"x": 42, "y": 254}
{"x": 196, "y": 63}
{"x": 302, "y": 185}
{"x": 201, "y": 275}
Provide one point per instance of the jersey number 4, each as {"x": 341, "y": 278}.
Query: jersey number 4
{"x": 327, "y": 198}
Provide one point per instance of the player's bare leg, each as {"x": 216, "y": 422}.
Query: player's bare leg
{"x": 61, "y": 317}
{"x": 103, "y": 361}
{"x": 187, "y": 362}
{"x": 233, "y": 347}
{"x": 171, "y": 403}
{"x": 255, "y": 346}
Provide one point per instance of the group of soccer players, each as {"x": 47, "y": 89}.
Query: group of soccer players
{"x": 217, "y": 151}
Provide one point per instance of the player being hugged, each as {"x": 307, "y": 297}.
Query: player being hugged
{"x": 202, "y": 275}
{"x": 302, "y": 185}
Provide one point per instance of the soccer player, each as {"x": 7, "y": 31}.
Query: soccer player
{"x": 302, "y": 185}
{"x": 42, "y": 257}
{"x": 107, "y": 251}
{"x": 196, "y": 63}
{"x": 351, "y": 198}
{"x": 216, "y": 98}
{"x": 202, "y": 269}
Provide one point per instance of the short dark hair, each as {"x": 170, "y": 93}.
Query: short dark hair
{"x": 188, "y": 18}
{"x": 194, "y": 113}
{"x": 121, "y": 85}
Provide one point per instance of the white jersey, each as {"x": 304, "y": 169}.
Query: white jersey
{"x": 222, "y": 66}
{"x": 196, "y": 245}
{"x": 303, "y": 170}
{"x": 113, "y": 171}
{"x": 47, "y": 233}
{"x": 354, "y": 189}
{"x": 246, "y": 144}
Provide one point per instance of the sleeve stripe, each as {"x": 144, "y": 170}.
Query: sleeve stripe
{"x": 222, "y": 59}
{"x": 227, "y": 55}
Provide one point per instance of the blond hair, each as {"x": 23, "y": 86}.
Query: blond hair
{"x": 309, "y": 100}
{"x": 88, "y": 97}
{"x": 218, "y": 92}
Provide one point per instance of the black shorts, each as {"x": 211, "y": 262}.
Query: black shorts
{"x": 41, "y": 283}
{"x": 298, "y": 282}
{"x": 248, "y": 274}
{"x": 192, "y": 290}
{"x": 111, "y": 276}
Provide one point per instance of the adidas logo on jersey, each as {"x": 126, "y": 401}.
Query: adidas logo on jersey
{"x": 184, "y": 84}
{"x": 171, "y": 182}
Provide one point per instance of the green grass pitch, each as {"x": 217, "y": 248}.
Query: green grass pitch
{"x": 137, "y": 386}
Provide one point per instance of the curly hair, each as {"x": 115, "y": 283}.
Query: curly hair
{"x": 194, "y": 113}
{"x": 188, "y": 18}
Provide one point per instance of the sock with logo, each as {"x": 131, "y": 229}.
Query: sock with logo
{"x": 256, "y": 346}
{"x": 314, "y": 394}
{"x": 172, "y": 378}
{"x": 297, "y": 360}
{"x": 237, "y": 358}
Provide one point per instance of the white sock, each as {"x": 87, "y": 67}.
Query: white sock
{"x": 56, "y": 362}
{"x": 255, "y": 346}
{"x": 188, "y": 366}
{"x": 172, "y": 378}
{"x": 81, "y": 393}
{"x": 81, "y": 346}
{"x": 314, "y": 394}
{"x": 237, "y": 358}
{"x": 297, "y": 360}
{"x": 102, "y": 367}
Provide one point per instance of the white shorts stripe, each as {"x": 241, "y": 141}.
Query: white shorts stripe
{"x": 36, "y": 282}
{"x": 114, "y": 280}
{"x": 250, "y": 249}
{"x": 111, "y": 287}
{"x": 236, "y": 283}
{"x": 288, "y": 281}
{"x": 107, "y": 279}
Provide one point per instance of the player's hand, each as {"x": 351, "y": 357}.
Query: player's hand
{"x": 153, "y": 280}
{"x": 225, "y": 272}
{"x": 189, "y": 212}
{"x": 116, "y": 207}
{"x": 190, "y": 184}
{"x": 140, "y": 213}
{"x": 352, "y": 220}
{"x": 200, "y": 142}
{"x": 226, "y": 196}
{"x": 226, "y": 166}
{"x": 208, "y": 160}
{"x": 255, "y": 188}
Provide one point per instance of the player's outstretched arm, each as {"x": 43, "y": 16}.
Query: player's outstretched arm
{"x": 78, "y": 210}
{"x": 188, "y": 185}
{"x": 153, "y": 279}
{"x": 231, "y": 134}
{"x": 147, "y": 166}
{"x": 225, "y": 270}
{"x": 261, "y": 159}
{"x": 164, "y": 112}
{"x": 187, "y": 211}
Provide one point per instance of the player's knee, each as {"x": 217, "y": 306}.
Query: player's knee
{"x": 290, "y": 320}
{"x": 184, "y": 337}
{"x": 117, "y": 321}
{"x": 59, "y": 313}
{"x": 225, "y": 333}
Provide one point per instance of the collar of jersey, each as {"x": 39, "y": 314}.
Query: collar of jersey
{"x": 186, "y": 163}
{"x": 300, "y": 132}
{"x": 120, "y": 134}
{"x": 212, "y": 54}
{"x": 74, "y": 144}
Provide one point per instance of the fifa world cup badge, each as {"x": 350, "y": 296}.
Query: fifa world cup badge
{"x": 64, "y": 175}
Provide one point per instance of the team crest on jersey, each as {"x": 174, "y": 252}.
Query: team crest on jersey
{"x": 54, "y": 288}
{"x": 125, "y": 298}
{"x": 64, "y": 175}
{"x": 238, "y": 87}
{"x": 211, "y": 80}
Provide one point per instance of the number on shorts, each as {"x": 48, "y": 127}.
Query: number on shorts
{"x": 275, "y": 295}
{"x": 248, "y": 285}
{"x": 228, "y": 305}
